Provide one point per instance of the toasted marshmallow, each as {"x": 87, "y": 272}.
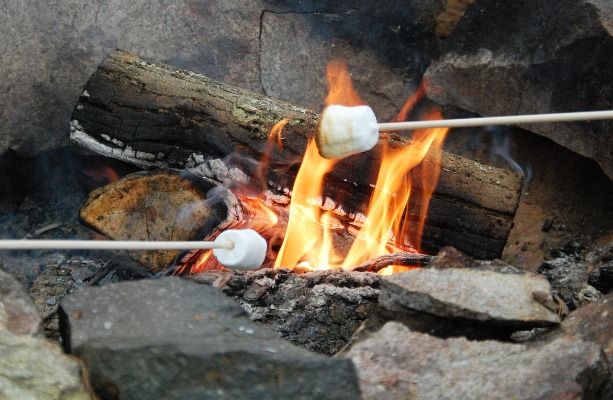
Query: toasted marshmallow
{"x": 345, "y": 130}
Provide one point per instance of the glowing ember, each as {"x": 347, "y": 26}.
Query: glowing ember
{"x": 387, "y": 227}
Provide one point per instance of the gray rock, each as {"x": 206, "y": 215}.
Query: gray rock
{"x": 533, "y": 56}
{"x": 396, "y": 363}
{"x": 17, "y": 311}
{"x": 32, "y": 368}
{"x": 171, "y": 339}
{"x": 507, "y": 299}
{"x": 161, "y": 307}
{"x": 224, "y": 366}
{"x": 384, "y": 52}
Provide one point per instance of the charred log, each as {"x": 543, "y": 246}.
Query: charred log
{"x": 155, "y": 115}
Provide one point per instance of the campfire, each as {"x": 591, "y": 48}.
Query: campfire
{"x": 426, "y": 214}
{"x": 312, "y": 221}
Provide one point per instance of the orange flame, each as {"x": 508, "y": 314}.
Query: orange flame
{"x": 308, "y": 242}
{"x": 340, "y": 87}
{"x": 303, "y": 237}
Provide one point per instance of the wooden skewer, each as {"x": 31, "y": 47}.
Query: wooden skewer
{"x": 502, "y": 120}
{"x": 111, "y": 245}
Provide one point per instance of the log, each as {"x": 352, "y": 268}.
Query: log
{"x": 151, "y": 114}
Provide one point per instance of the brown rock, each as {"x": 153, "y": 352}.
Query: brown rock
{"x": 17, "y": 311}
{"x": 510, "y": 299}
{"x": 396, "y": 363}
{"x": 162, "y": 205}
{"x": 594, "y": 323}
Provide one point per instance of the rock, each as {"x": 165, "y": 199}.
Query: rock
{"x": 511, "y": 300}
{"x": 222, "y": 366}
{"x": 396, "y": 363}
{"x": 318, "y": 310}
{"x": 161, "y": 205}
{"x": 32, "y": 368}
{"x": 526, "y": 57}
{"x": 171, "y": 338}
{"x": 17, "y": 311}
{"x": 383, "y": 45}
{"x": 594, "y": 323}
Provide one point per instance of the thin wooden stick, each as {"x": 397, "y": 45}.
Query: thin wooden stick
{"x": 111, "y": 245}
{"x": 502, "y": 120}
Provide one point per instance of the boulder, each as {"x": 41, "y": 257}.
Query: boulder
{"x": 171, "y": 339}
{"x": 533, "y": 56}
{"x": 18, "y": 314}
{"x": 32, "y": 368}
{"x": 396, "y": 363}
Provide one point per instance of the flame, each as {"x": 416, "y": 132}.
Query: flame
{"x": 388, "y": 227}
{"x": 340, "y": 87}
{"x": 303, "y": 236}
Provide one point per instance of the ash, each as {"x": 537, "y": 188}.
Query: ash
{"x": 318, "y": 310}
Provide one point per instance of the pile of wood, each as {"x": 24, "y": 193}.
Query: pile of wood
{"x": 153, "y": 115}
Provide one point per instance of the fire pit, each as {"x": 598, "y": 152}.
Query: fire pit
{"x": 233, "y": 245}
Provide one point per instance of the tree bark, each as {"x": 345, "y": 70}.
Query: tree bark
{"x": 151, "y": 114}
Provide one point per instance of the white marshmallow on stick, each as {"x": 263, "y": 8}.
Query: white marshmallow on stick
{"x": 346, "y": 130}
{"x": 234, "y": 248}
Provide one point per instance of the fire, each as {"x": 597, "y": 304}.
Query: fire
{"x": 388, "y": 226}
{"x": 304, "y": 234}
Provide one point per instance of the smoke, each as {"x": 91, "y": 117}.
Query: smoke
{"x": 501, "y": 149}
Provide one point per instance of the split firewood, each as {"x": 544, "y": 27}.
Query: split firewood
{"x": 152, "y": 114}
{"x": 161, "y": 205}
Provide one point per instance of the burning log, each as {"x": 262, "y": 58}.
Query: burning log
{"x": 154, "y": 115}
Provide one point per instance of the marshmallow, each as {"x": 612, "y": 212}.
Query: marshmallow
{"x": 346, "y": 130}
{"x": 248, "y": 252}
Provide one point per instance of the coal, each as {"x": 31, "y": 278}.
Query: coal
{"x": 17, "y": 311}
{"x": 533, "y": 56}
{"x": 318, "y": 310}
{"x": 397, "y": 363}
{"x": 170, "y": 338}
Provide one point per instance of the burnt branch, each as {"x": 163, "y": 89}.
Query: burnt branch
{"x": 407, "y": 259}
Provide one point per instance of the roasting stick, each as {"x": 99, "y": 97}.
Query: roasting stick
{"x": 110, "y": 245}
{"x": 502, "y": 120}
{"x": 235, "y": 248}
{"x": 347, "y": 130}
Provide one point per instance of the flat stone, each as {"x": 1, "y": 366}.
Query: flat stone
{"x": 18, "y": 314}
{"x": 231, "y": 365}
{"x": 558, "y": 61}
{"x": 160, "y": 307}
{"x": 508, "y": 299}
{"x": 32, "y": 368}
{"x": 170, "y": 339}
{"x": 396, "y": 363}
